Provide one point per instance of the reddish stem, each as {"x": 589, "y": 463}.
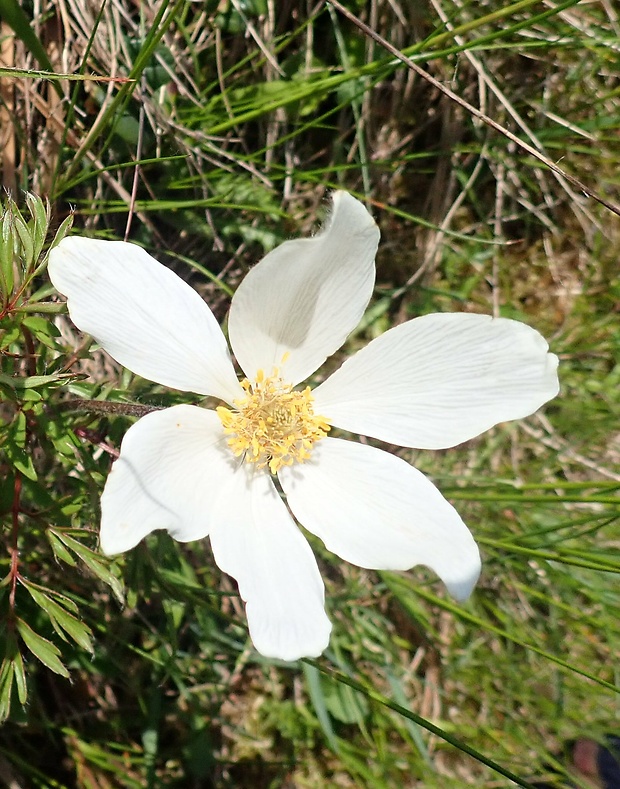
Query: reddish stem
{"x": 96, "y": 439}
{"x": 14, "y": 570}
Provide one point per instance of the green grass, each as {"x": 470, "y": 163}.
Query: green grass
{"x": 222, "y": 130}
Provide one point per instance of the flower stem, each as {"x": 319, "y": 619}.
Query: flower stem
{"x": 106, "y": 407}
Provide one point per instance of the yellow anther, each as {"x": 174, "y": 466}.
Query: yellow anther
{"x": 273, "y": 425}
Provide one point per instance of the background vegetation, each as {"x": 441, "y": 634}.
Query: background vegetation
{"x": 209, "y": 132}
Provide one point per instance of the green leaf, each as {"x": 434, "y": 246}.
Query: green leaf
{"x": 40, "y": 214}
{"x": 42, "y": 649}
{"x": 31, "y": 396}
{"x": 317, "y": 697}
{"x": 65, "y": 444}
{"x": 32, "y": 381}
{"x": 62, "y": 621}
{"x": 62, "y": 231}
{"x": 18, "y": 429}
{"x": 344, "y": 704}
{"x": 6, "y": 256}
{"x": 46, "y": 307}
{"x": 7, "y": 673}
{"x": 94, "y": 563}
{"x": 9, "y": 335}
{"x": 60, "y": 552}
{"x": 20, "y": 677}
{"x": 7, "y": 381}
{"x": 26, "y": 253}
{"x": 15, "y": 446}
{"x": 43, "y": 329}
{"x": 23, "y": 463}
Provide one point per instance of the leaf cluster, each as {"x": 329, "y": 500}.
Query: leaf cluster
{"x": 39, "y": 617}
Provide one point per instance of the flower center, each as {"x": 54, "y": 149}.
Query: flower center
{"x": 273, "y": 425}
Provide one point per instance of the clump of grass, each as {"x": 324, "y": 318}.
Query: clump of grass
{"x": 216, "y": 133}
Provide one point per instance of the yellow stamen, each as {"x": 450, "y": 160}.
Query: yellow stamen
{"x": 273, "y": 425}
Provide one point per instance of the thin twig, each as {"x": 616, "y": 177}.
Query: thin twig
{"x": 136, "y": 170}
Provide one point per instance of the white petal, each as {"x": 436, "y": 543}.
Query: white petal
{"x": 143, "y": 315}
{"x": 306, "y": 296}
{"x": 255, "y": 540}
{"x": 376, "y": 511}
{"x": 172, "y": 466}
{"x": 439, "y": 380}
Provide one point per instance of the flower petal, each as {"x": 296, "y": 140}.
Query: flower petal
{"x": 439, "y": 380}
{"x": 143, "y": 315}
{"x": 255, "y": 540}
{"x": 172, "y": 466}
{"x": 299, "y": 304}
{"x": 376, "y": 511}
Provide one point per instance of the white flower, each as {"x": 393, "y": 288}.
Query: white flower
{"x": 430, "y": 383}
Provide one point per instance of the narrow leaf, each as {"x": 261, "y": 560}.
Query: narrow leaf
{"x": 62, "y": 621}
{"x": 20, "y": 677}
{"x": 33, "y": 381}
{"x": 42, "y": 649}
{"x": 6, "y": 255}
{"x": 94, "y": 562}
{"x": 40, "y": 214}
{"x": 27, "y": 251}
{"x": 317, "y": 697}
{"x": 60, "y": 552}
{"x": 7, "y": 672}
